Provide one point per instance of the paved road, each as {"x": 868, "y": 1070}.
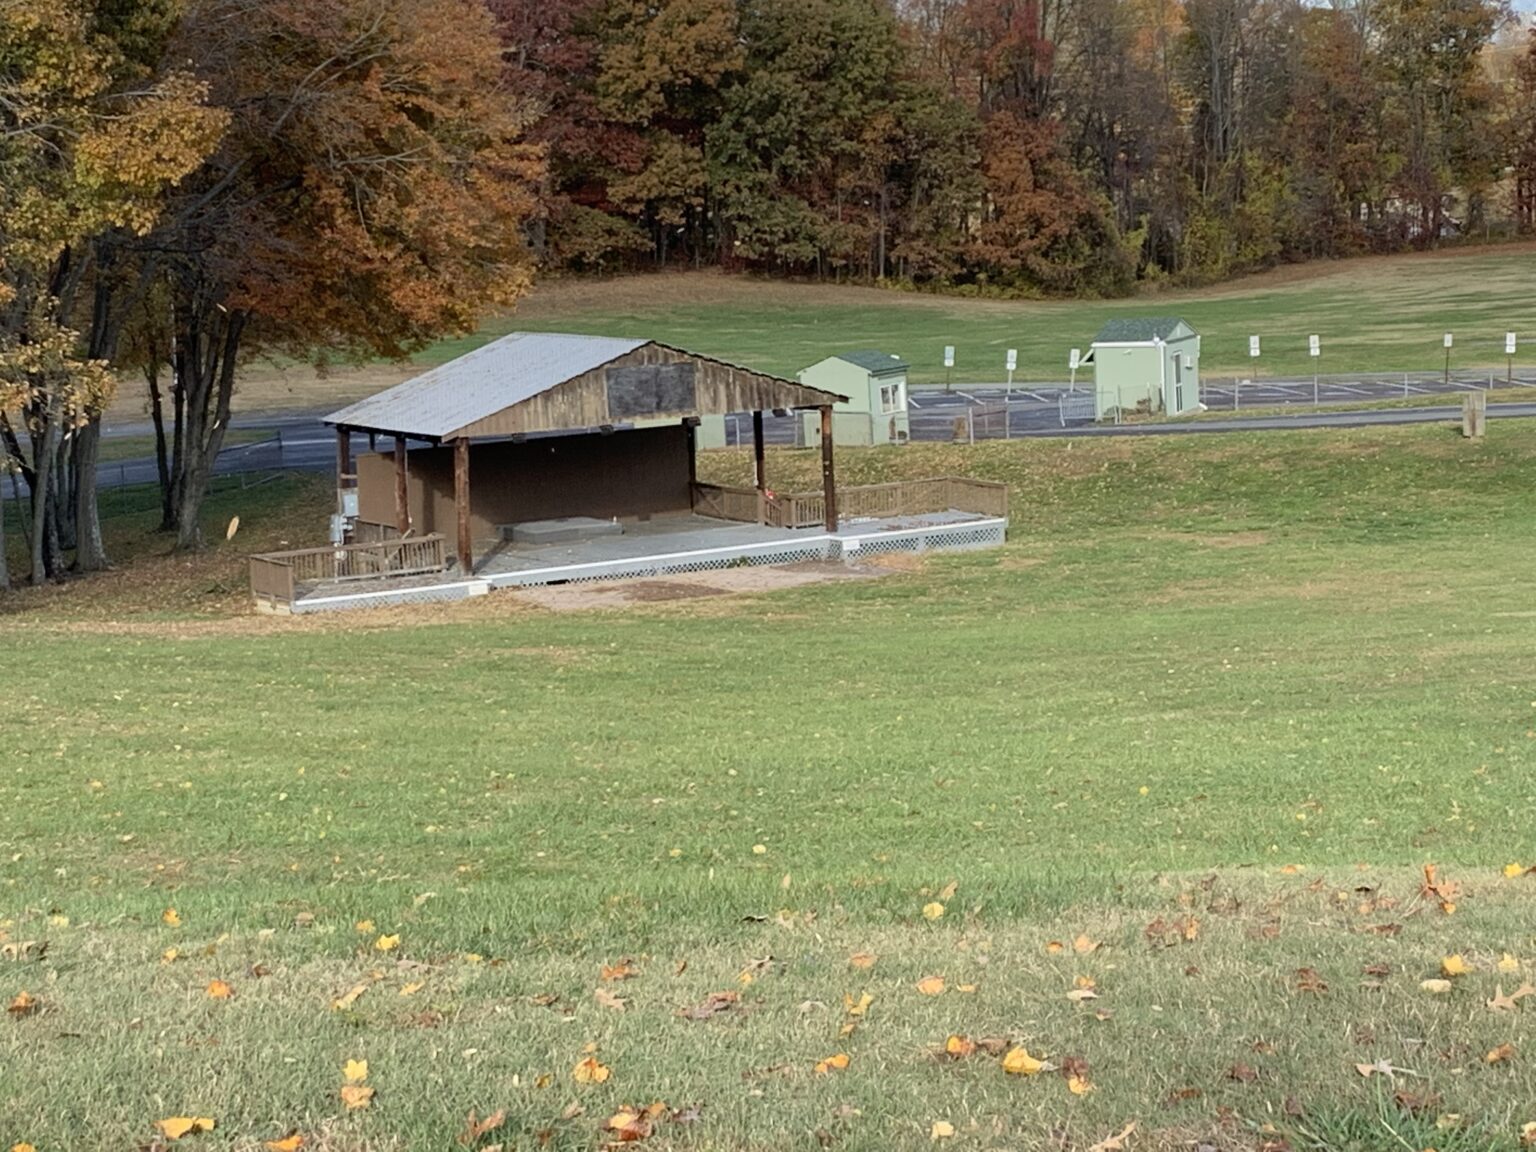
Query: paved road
{"x": 302, "y": 443}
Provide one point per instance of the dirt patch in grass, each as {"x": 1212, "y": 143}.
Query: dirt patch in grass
{"x": 698, "y": 585}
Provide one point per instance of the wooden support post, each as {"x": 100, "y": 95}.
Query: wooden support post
{"x": 759, "y": 470}
{"x": 345, "y": 478}
{"x": 693, "y": 455}
{"x": 461, "y": 503}
{"x": 828, "y": 473}
{"x": 1474, "y": 414}
{"x": 402, "y": 490}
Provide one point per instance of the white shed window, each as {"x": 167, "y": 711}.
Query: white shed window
{"x": 893, "y": 397}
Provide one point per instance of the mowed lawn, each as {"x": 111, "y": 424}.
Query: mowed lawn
{"x": 1376, "y": 314}
{"x": 1186, "y": 744}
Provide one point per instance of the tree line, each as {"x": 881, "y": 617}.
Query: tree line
{"x": 188, "y": 184}
{"x": 1023, "y": 146}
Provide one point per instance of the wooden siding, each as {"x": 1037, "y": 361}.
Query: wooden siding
{"x": 627, "y": 475}
{"x": 582, "y": 401}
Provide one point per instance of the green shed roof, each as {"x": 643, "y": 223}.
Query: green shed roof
{"x": 875, "y": 362}
{"x": 1138, "y": 329}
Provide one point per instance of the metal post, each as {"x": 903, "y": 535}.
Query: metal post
{"x": 1405, "y": 385}
{"x": 1314, "y": 389}
{"x": 1447, "y": 367}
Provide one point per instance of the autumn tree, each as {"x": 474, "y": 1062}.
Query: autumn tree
{"x": 89, "y": 144}
{"x": 371, "y": 194}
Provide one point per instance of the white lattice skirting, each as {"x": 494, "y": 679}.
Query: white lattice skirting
{"x": 963, "y": 536}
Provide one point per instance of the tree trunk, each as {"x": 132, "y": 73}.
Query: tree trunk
{"x": 5, "y": 568}
{"x": 162, "y": 454}
{"x": 47, "y": 448}
{"x": 205, "y": 371}
{"x": 90, "y": 552}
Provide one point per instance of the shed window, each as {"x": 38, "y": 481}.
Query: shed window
{"x": 893, "y": 397}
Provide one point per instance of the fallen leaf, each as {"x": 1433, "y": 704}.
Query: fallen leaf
{"x": 959, "y": 1046}
{"x": 949, "y": 890}
{"x": 1052, "y": 947}
{"x": 1445, "y": 891}
{"x": 862, "y": 960}
{"x": 941, "y": 1130}
{"x": 1115, "y": 1143}
{"x": 23, "y": 1004}
{"x": 356, "y": 1096}
{"x": 931, "y": 985}
{"x": 234, "y": 526}
{"x": 1513, "y": 870}
{"x": 1309, "y": 980}
{"x": 1455, "y": 965}
{"x": 712, "y": 1005}
{"x": 1078, "y": 995}
{"x": 219, "y": 990}
{"x": 1500, "y": 1054}
{"x": 1508, "y": 963}
{"x": 1019, "y": 1062}
{"x": 386, "y": 943}
{"x": 474, "y": 1129}
{"x": 172, "y": 918}
{"x": 412, "y": 988}
{"x": 608, "y": 1000}
{"x": 22, "y": 1147}
{"x": 364, "y": 927}
{"x": 1528, "y": 1134}
{"x": 933, "y": 910}
{"x": 289, "y": 1143}
{"x": 1082, "y": 945}
{"x": 1435, "y": 987}
{"x": 1503, "y": 1003}
{"x": 589, "y": 1071}
{"x": 628, "y": 1125}
{"x": 348, "y": 998}
{"x": 1417, "y": 1103}
{"x": 1242, "y": 1073}
{"x": 355, "y": 1071}
{"x": 859, "y": 1007}
{"x": 832, "y": 1063}
{"x": 175, "y": 1127}
{"x": 1079, "y": 1085}
{"x": 623, "y": 970}
{"x": 1164, "y": 933}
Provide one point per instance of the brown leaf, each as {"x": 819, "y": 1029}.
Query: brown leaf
{"x": 608, "y": 1000}
{"x": 474, "y": 1129}
{"x": 356, "y": 1096}
{"x": 958, "y": 1047}
{"x": 862, "y": 960}
{"x": 1181, "y": 1095}
{"x": 1165, "y": 933}
{"x": 1115, "y": 1143}
{"x": 628, "y": 1125}
{"x": 1442, "y": 891}
{"x": 1385, "y": 929}
{"x": 1083, "y": 945}
{"x": 623, "y": 970}
{"x": 1242, "y": 1073}
{"x": 1073, "y": 1067}
{"x": 23, "y": 1004}
{"x": 1309, "y": 980}
{"x": 1500, "y": 1054}
{"x": 1417, "y": 1103}
{"x": 931, "y": 985}
{"x": 712, "y": 1005}
{"x": 1377, "y": 970}
{"x": 1503, "y": 1003}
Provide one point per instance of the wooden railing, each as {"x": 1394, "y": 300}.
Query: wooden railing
{"x": 275, "y": 576}
{"x": 808, "y": 509}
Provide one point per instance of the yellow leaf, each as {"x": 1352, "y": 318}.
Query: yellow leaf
{"x": 1078, "y": 995}
{"x": 589, "y": 1071}
{"x": 1019, "y": 1062}
{"x": 1528, "y": 1134}
{"x": 24, "y": 1004}
{"x": 169, "y": 956}
{"x": 175, "y": 1127}
{"x": 832, "y": 1063}
{"x": 941, "y": 1130}
{"x": 1053, "y": 946}
{"x": 1082, "y": 945}
{"x": 23, "y": 1147}
{"x": 966, "y": 988}
{"x": 1435, "y": 987}
{"x": 171, "y": 917}
{"x": 931, "y": 985}
{"x": 290, "y": 1143}
{"x": 1508, "y": 963}
{"x": 862, "y": 960}
{"x": 1501, "y": 1053}
{"x": 1079, "y": 1085}
{"x": 356, "y": 1096}
{"x": 219, "y": 990}
{"x": 386, "y": 943}
{"x": 1455, "y": 965}
{"x": 859, "y": 1008}
{"x": 959, "y": 1046}
{"x": 412, "y": 988}
{"x": 1512, "y": 870}
{"x": 759, "y": 849}
{"x": 348, "y": 998}
{"x": 364, "y": 927}
{"x": 355, "y": 1071}
{"x": 58, "y": 921}
{"x": 933, "y": 910}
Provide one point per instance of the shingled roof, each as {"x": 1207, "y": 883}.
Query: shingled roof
{"x": 1138, "y": 329}
{"x": 875, "y": 362}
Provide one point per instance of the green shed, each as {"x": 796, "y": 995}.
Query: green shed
{"x": 1148, "y": 362}
{"x": 876, "y": 386}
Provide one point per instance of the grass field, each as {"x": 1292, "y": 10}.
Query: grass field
{"x": 1373, "y": 314}
{"x": 1211, "y": 710}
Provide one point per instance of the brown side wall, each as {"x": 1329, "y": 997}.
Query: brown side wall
{"x": 627, "y": 474}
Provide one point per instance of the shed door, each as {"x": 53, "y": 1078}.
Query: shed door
{"x": 1178, "y": 382}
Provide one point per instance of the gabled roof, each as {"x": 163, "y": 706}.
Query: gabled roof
{"x": 875, "y": 362}
{"x": 483, "y": 382}
{"x": 1138, "y": 329}
{"x": 459, "y": 398}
